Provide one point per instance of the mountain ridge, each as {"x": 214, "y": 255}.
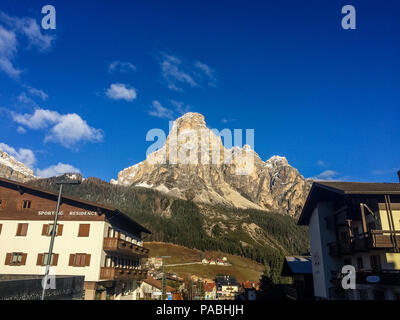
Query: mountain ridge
{"x": 270, "y": 185}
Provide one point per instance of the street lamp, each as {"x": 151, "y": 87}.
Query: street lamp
{"x": 53, "y": 233}
{"x": 163, "y": 291}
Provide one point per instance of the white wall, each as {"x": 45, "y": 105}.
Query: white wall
{"x": 69, "y": 242}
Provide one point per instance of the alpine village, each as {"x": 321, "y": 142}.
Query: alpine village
{"x": 161, "y": 231}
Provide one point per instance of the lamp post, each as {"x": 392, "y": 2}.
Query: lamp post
{"x": 53, "y": 233}
{"x": 163, "y": 291}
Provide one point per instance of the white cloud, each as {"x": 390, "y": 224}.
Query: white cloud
{"x": 321, "y": 163}
{"x": 119, "y": 91}
{"x": 70, "y": 129}
{"x": 66, "y": 129}
{"x": 40, "y": 119}
{"x": 180, "y": 107}
{"x": 26, "y": 156}
{"x": 37, "y": 92}
{"x": 57, "y": 170}
{"x": 9, "y": 30}
{"x": 121, "y": 66}
{"x": 208, "y": 72}
{"x": 326, "y": 175}
{"x": 157, "y": 110}
{"x": 30, "y": 29}
{"x": 8, "y": 49}
{"x": 21, "y": 130}
{"x": 173, "y": 73}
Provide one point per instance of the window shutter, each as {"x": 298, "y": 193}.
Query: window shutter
{"x": 23, "y": 260}
{"x": 45, "y": 229}
{"x": 60, "y": 229}
{"x": 24, "y": 229}
{"x": 87, "y": 260}
{"x": 8, "y": 259}
{"x": 84, "y": 230}
{"x": 55, "y": 259}
{"x": 19, "y": 227}
{"x": 71, "y": 259}
{"x": 39, "y": 261}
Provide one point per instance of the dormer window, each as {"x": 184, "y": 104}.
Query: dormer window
{"x": 26, "y": 204}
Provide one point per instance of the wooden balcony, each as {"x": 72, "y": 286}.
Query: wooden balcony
{"x": 374, "y": 239}
{"x": 115, "y": 273}
{"x": 124, "y": 247}
{"x": 384, "y": 239}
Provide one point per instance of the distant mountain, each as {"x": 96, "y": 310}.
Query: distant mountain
{"x": 12, "y": 169}
{"x": 272, "y": 185}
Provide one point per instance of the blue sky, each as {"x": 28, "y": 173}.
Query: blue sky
{"x": 84, "y": 95}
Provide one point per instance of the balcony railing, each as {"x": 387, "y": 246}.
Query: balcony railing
{"x": 384, "y": 238}
{"x": 116, "y": 273}
{"x": 125, "y": 247}
{"x": 374, "y": 239}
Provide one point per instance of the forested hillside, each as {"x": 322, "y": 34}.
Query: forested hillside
{"x": 259, "y": 235}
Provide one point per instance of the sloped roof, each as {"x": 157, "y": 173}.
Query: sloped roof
{"x": 111, "y": 213}
{"x": 333, "y": 190}
{"x": 250, "y": 284}
{"x": 296, "y": 265}
{"x": 157, "y": 284}
{"x": 209, "y": 286}
{"x": 361, "y": 187}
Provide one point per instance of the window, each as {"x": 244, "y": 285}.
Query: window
{"x": 1, "y": 227}
{"x": 79, "y": 260}
{"x": 360, "y": 264}
{"x": 48, "y": 229}
{"x": 44, "y": 257}
{"x": 2, "y": 204}
{"x": 16, "y": 259}
{"x": 22, "y": 229}
{"x": 84, "y": 230}
{"x": 375, "y": 262}
{"x": 344, "y": 237}
{"x": 26, "y": 204}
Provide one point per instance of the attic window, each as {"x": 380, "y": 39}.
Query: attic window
{"x": 26, "y": 204}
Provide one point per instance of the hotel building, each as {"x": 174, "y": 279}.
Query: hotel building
{"x": 354, "y": 224}
{"x": 92, "y": 240}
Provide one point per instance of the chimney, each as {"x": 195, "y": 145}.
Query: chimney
{"x": 398, "y": 174}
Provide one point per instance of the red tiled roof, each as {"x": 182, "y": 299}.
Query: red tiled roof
{"x": 250, "y": 284}
{"x": 209, "y": 286}
{"x": 157, "y": 284}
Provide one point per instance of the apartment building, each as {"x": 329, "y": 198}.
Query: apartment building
{"x": 354, "y": 224}
{"x": 227, "y": 287}
{"x": 92, "y": 240}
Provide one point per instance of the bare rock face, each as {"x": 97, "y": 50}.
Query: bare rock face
{"x": 193, "y": 164}
{"x": 12, "y": 169}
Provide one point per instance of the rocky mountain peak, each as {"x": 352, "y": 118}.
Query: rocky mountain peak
{"x": 190, "y": 120}
{"x": 12, "y": 169}
{"x": 272, "y": 185}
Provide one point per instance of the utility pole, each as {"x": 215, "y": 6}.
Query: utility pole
{"x": 163, "y": 290}
{"x": 53, "y": 234}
